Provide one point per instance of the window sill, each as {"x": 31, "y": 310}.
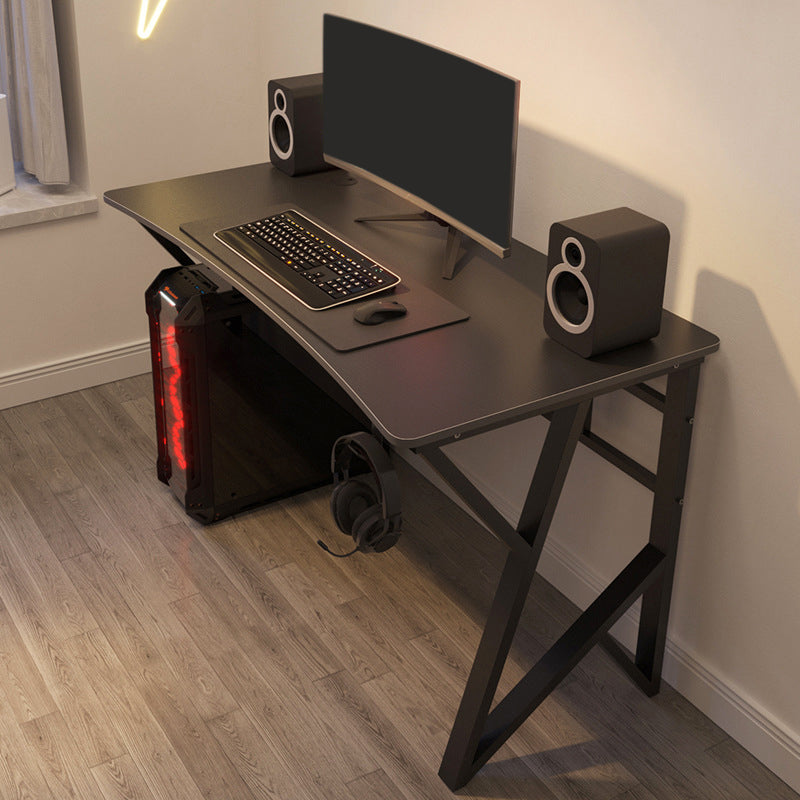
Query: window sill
{"x": 31, "y": 202}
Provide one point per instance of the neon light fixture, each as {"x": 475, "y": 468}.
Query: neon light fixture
{"x": 145, "y": 27}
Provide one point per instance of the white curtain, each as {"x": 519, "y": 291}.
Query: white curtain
{"x": 29, "y": 76}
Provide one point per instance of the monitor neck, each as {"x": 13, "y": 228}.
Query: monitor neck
{"x": 454, "y": 236}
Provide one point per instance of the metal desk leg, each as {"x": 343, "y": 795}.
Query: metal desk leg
{"x": 470, "y": 746}
{"x": 673, "y": 462}
{"x": 478, "y": 733}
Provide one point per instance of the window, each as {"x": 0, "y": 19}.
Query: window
{"x": 38, "y": 61}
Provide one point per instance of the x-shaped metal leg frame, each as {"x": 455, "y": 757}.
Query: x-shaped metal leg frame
{"x": 477, "y": 732}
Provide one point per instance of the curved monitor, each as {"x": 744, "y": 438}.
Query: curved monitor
{"x": 435, "y": 128}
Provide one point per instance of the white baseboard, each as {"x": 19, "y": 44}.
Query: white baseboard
{"x": 752, "y": 726}
{"x": 73, "y": 374}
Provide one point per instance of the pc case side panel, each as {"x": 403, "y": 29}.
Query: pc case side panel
{"x": 197, "y": 423}
{"x": 153, "y": 304}
{"x": 273, "y": 427}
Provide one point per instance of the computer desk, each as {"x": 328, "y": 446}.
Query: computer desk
{"x": 425, "y": 391}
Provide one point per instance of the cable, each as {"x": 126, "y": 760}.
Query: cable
{"x": 335, "y": 555}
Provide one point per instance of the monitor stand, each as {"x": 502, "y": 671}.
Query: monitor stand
{"x": 454, "y": 236}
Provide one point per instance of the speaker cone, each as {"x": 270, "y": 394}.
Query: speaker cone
{"x": 570, "y": 298}
{"x": 281, "y": 134}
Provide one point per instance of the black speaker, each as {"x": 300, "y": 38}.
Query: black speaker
{"x": 294, "y": 106}
{"x": 605, "y": 280}
{"x": 366, "y": 507}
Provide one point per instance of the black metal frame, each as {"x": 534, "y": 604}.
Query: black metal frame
{"x": 477, "y": 732}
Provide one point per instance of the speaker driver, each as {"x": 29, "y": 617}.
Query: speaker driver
{"x": 569, "y": 295}
{"x": 570, "y": 300}
{"x": 280, "y": 129}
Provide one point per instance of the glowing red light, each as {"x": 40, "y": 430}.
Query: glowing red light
{"x": 173, "y": 368}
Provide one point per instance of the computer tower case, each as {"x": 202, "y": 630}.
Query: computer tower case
{"x": 243, "y": 414}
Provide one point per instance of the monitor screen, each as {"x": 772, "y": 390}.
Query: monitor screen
{"x": 436, "y": 128}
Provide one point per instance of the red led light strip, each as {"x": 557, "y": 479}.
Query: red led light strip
{"x": 175, "y": 407}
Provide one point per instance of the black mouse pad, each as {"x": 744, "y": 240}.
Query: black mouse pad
{"x": 336, "y": 326}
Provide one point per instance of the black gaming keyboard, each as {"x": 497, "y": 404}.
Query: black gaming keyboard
{"x": 310, "y": 263}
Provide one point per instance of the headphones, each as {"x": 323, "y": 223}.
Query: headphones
{"x": 366, "y": 508}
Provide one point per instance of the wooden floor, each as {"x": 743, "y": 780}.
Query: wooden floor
{"x": 145, "y": 656}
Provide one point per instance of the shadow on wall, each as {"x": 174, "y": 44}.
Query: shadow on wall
{"x": 745, "y": 529}
{"x": 557, "y": 181}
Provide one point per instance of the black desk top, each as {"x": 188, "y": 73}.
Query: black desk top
{"x": 497, "y": 367}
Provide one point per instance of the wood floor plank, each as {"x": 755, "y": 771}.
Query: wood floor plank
{"x": 11, "y": 449}
{"x": 276, "y": 537}
{"x": 24, "y": 475}
{"x": 20, "y": 773}
{"x": 661, "y": 765}
{"x": 119, "y": 779}
{"x": 252, "y": 606}
{"x": 348, "y": 643}
{"x": 118, "y": 457}
{"x": 32, "y": 432}
{"x": 372, "y": 731}
{"x": 416, "y": 713}
{"x": 106, "y": 404}
{"x": 637, "y": 793}
{"x": 372, "y": 574}
{"x": 58, "y": 530}
{"x": 149, "y": 639}
{"x": 252, "y": 580}
{"x": 69, "y": 693}
{"x": 41, "y": 679}
{"x": 140, "y": 410}
{"x": 90, "y": 725}
{"x": 21, "y": 682}
{"x": 145, "y": 741}
{"x": 377, "y": 786}
{"x": 211, "y": 770}
{"x": 99, "y": 458}
{"x": 265, "y": 774}
{"x": 61, "y": 761}
{"x": 280, "y": 710}
{"x": 139, "y": 563}
{"x": 34, "y": 587}
{"x": 749, "y": 771}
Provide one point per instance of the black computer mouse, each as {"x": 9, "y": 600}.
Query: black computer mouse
{"x": 377, "y": 311}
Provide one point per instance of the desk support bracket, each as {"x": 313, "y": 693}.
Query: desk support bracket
{"x": 478, "y": 733}
{"x": 171, "y": 248}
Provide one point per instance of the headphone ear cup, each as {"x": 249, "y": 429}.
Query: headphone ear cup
{"x": 334, "y": 502}
{"x": 349, "y": 501}
{"x": 368, "y": 528}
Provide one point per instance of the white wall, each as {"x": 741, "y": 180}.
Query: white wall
{"x": 687, "y": 110}
{"x": 189, "y": 99}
